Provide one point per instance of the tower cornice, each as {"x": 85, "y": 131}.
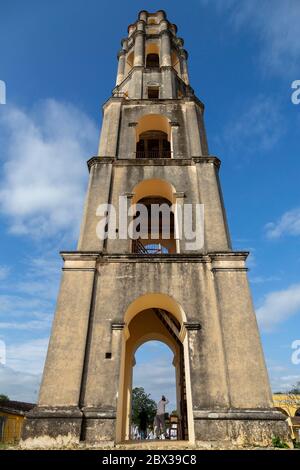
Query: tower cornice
{"x": 235, "y": 258}
{"x": 206, "y": 159}
{"x": 135, "y": 101}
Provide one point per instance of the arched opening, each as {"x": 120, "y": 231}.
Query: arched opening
{"x": 297, "y": 412}
{"x": 156, "y": 223}
{"x": 152, "y": 55}
{"x": 157, "y": 236}
{"x": 153, "y": 144}
{"x": 176, "y": 62}
{"x": 152, "y": 61}
{"x": 129, "y": 62}
{"x": 155, "y": 317}
{"x": 154, "y": 376}
{"x": 278, "y": 408}
{"x": 153, "y": 137}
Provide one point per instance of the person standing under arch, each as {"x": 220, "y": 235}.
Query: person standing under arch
{"x": 160, "y": 416}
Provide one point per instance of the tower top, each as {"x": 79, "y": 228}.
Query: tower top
{"x": 151, "y": 48}
{"x": 152, "y": 21}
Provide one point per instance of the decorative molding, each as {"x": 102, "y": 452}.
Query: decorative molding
{"x": 208, "y": 159}
{"x": 166, "y": 67}
{"x": 117, "y": 325}
{"x": 240, "y": 414}
{"x": 179, "y": 194}
{"x": 153, "y": 84}
{"x": 54, "y": 412}
{"x": 129, "y": 195}
{"x": 153, "y": 162}
{"x": 138, "y": 32}
{"x": 192, "y": 326}
{"x": 99, "y": 256}
{"x": 228, "y": 255}
{"x": 79, "y": 269}
{"x": 98, "y": 413}
{"x": 99, "y": 160}
{"x": 120, "y": 53}
{"x": 214, "y": 270}
{"x": 80, "y": 255}
{"x": 159, "y": 258}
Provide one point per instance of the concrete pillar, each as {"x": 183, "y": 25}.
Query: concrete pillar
{"x": 110, "y": 129}
{"x": 161, "y": 15}
{"x": 100, "y": 400}
{"x": 62, "y": 377}
{"x": 139, "y": 45}
{"x": 143, "y": 15}
{"x": 175, "y": 140}
{"x": 184, "y": 66}
{"x": 193, "y": 130}
{"x": 127, "y": 142}
{"x": 165, "y": 49}
{"x": 216, "y": 234}
{"x": 246, "y": 370}
{"x": 180, "y": 244}
{"x": 98, "y": 193}
{"x": 121, "y": 67}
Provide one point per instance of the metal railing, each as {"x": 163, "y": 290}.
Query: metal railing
{"x": 151, "y": 249}
{"x": 153, "y": 154}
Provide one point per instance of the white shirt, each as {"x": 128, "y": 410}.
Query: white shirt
{"x": 161, "y": 406}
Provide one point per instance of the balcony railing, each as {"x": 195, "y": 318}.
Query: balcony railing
{"x": 153, "y": 154}
{"x": 151, "y": 249}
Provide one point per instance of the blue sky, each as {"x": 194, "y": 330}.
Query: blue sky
{"x": 58, "y": 60}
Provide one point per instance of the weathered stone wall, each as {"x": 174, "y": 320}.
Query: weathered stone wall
{"x": 196, "y": 179}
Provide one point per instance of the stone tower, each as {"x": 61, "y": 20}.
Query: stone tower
{"x": 116, "y": 293}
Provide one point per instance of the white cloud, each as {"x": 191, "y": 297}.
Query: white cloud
{"x": 18, "y": 306}
{"x": 155, "y": 373}
{"x": 282, "y": 375}
{"x": 31, "y": 305}
{"x": 4, "y": 272}
{"x": 20, "y": 377}
{"x": 28, "y": 325}
{"x": 27, "y": 357}
{"x": 263, "y": 280}
{"x": 288, "y": 224}
{"x": 285, "y": 383}
{"x": 290, "y": 377}
{"x": 276, "y": 26}
{"x": 258, "y": 128}
{"x": 44, "y": 177}
{"x": 19, "y": 385}
{"x": 278, "y": 306}
{"x": 251, "y": 260}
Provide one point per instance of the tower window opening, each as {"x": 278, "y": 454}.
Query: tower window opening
{"x": 153, "y": 93}
{"x": 153, "y": 144}
{"x": 152, "y": 61}
{"x": 161, "y": 227}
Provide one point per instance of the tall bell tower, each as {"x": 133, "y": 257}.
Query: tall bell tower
{"x": 117, "y": 292}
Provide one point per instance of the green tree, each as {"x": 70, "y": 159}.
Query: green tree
{"x": 3, "y": 397}
{"x": 296, "y": 389}
{"x": 142, "y": 401}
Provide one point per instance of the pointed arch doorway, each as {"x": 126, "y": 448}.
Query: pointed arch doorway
{"x": 155, "y": 317}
